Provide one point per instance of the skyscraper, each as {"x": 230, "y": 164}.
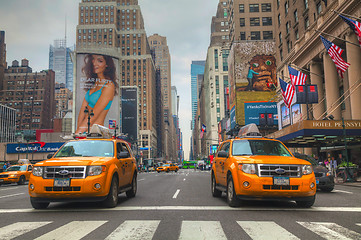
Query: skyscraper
{"x": 60, "y": 62}
{"x": 116, "y": 28}
{"x": 197, "y": 68}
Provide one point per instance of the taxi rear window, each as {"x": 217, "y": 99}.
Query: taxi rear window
{"x": 259, "y": 147}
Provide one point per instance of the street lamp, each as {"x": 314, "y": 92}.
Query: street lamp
{"x": 90, "y": 114}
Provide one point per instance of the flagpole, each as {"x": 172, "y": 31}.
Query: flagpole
{"x": 346, "y": 15}
{"x": 338, "y": 38}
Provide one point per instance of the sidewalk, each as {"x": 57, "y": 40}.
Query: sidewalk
{"x": 352, "y": 184}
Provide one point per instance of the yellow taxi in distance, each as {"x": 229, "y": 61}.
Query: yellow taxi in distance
{"x": 257, "y": 168}
{"x": 16, "y": 174}
{"x": 168, "y": 167}
{"x": 96, "y": 168}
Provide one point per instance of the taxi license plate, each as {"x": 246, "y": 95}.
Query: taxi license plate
{"x": 281, "y": 181}
{"x": 58, "y": 182}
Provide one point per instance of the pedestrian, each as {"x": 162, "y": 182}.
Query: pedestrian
{"x": 327, "y": 163}
{"x": 4, "y": 167}
{"x": 333, "y": 166}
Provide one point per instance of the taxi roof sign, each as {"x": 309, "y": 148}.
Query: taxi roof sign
{"x": 249, "y": 130}
{"x": 97, "y": 131}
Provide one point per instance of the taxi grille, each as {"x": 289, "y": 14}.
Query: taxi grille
{"x": 58, "y": 172}
{"x": 280, "y": 187}
{"x": 4, "y": 176}
{"x": 269, "y": 170}
{"x": 62, "y": 189}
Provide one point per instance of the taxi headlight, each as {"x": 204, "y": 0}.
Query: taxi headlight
{"x": 249, "y": 168}
{"x": 38, "y": 171}
{"x": 306, "y": 169}
{"x": 13, "y": 175}
{"x": 95, "y": 170}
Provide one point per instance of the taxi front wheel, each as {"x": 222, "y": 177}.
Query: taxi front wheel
{"x": 21, "y": 180}
{"x": 306, "y": 204}
{"x": 112, "y": 198}
{"x": 38, "y": 205}
{"x": 215, "y": 191}
{"x": 232, "y": 199}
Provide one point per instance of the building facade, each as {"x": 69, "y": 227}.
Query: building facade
{"x": 31, "y": 94}
{"x": 60, "y": 62}
{"x": 197, "y": 68}
{"x": 7, "y": 124}
{"x": 116, "y": 28}
{"x": 299, "y": 26}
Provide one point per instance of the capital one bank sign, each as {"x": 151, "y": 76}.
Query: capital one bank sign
{"x": 35, "y": 147}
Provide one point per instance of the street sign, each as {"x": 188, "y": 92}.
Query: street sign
{"x": 112, "y": 124}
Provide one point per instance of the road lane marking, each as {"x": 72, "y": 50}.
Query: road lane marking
{"x": 17, "y": 229}
{"x": 185, "y": 208}
{"x": 340, "y": 191}
{"x": 184, "y": 179}
{"x": 330, "y": 231}
{"x": 10, "y": 188}
{"x": 135, "y": 230}
{"x": 201, "y": 230}
{"x": 141, "y": 179}
{"x": 12, "y": 195}
{"x": 259, "y": 230}
{"x": 72, "y": 230}
{"x": 176, "y": 193}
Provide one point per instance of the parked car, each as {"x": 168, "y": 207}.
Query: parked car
{"x": 324, "y": 177}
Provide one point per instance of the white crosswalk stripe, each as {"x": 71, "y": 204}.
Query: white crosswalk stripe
{"x": 146, "y": 229}
{"x": 265, "y": 230}
{"x": 17, "y": 229}
{"x": 331, "y": 231}
{"x": 72, "y": 231}
{"x": 135, "y": 230}
{"x": 201, "y": 230}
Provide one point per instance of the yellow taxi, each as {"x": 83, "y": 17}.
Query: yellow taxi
{"x": 96, "y": 168}
{"x": 16, "y": 174}
{"x": 254, "y": 167}
{"x": 168, "y": 167}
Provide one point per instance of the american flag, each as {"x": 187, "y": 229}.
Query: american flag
{"x": 297, "y": 77}
{"x": 203, "y": 130}
{"x": 355, "y": 26}
{"x": 335, "y": 53}
{"x": 288, "y": 91}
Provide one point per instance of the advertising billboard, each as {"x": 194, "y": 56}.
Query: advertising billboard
{"x": 285, "y": 116}
{"x": 96, "y": 91}
{"x": 252, "y": 74}
{"x": 253, "y": 109}
{"x": 233, "y": 116}
{"x": 38, "y": 147}
{"x": 129, "y": 115}
{"x": 296, "y": 113}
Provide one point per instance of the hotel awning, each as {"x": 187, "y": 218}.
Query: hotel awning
{"x": 322, "y": 133}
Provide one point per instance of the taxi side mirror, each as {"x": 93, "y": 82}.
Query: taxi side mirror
{"x": 50, "y": 155}
{"x": 223, "y": 154}
{"x": 123, "y": 155}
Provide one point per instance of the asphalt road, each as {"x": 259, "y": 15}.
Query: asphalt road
{"x": 180, "y": 206}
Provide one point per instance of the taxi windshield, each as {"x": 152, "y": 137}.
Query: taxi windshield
{"x": 259, "y": 147}
{"x": 96, "y": 148}
{"x": 165, "y": 165}
{"x": 16, "y": 168}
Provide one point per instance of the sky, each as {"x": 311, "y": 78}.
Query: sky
{"x": 31, "y": 28}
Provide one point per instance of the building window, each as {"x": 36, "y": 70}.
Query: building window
{"x": 254, "y": 21}
{"x": 278, "y": 4}
{"x": 241, "y": 8}
{"x": 319, "y": 8}
{"x": 306, "y": 4}
{"x": 289, "y": 46}
{"x": 279, "y": 20}
{"x": 242, "y": 22}
{"x": 267, "y": 35}
{"x": 286, "y": 7}
{"x": 281, "y": 55}
{"x": 256, "y": 35}
{"x": 295, "y": 15}
{"x": 216, "y": 59}
{"x": 287, "y": 27}
{"x": 307, "y": 23}
{"x": 267, "y": 21}
{"x": 297, "y": 35}
{"x": 225, "y": 13}
{"x": 280, "y": 37}
{"x": 243, "y": 35}
{"x": 266, "y": 7}
{"x": 254, "y": 8}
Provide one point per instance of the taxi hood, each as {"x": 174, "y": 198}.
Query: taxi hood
{"x": 74, "y": 161}
{"x": 263, "y": 159}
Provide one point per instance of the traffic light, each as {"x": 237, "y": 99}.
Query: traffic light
{"x": 270, "y": 121}
{"x": 262, "y": 120}
{"x": 306, "y": 94}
